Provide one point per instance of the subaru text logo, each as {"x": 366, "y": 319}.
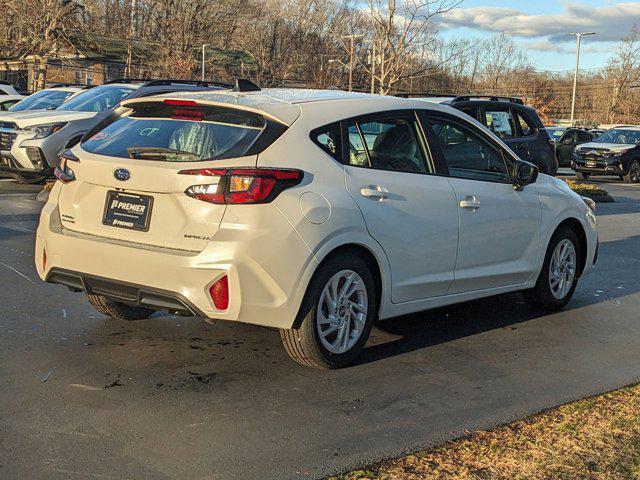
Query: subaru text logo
{"x": 122, "y": 174}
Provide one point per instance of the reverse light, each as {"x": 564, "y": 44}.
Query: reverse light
{"x": 219, "y": 292}
{"x": 242, "y": 185}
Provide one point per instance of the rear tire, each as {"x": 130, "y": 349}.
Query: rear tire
{"x": 118, "y": 310}
{"x": 583, "y": 175}
{"x": 633, "y": 173}
{"x": 30, "y": 179}
{"x": 559, "y": 275}
{"x": 333, "y": 328}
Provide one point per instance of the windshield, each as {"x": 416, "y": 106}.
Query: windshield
{"x": 97, "y": 99}
{"x": 555, "y": 132}
{"x": 157, "y": 131}
{"x": 626, "y": 137}
{"x": 42, "y": 100}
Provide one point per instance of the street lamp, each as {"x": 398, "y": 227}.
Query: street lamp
{"x": 204, "y": 45}
{"x": 579, "y": 36}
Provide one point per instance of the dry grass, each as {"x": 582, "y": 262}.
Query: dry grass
{"x": 586, "y": 189}
{"x": 597, "y": 438}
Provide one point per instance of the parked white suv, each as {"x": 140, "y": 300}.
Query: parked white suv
{"x": 314, "y": 212}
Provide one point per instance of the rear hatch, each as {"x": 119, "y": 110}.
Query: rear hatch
{"x": 129, "y": 180}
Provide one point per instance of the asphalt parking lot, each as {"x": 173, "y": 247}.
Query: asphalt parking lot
{"x": 175, "y": 398}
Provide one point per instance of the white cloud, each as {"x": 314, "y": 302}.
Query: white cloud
{"x": 611, "y": 22}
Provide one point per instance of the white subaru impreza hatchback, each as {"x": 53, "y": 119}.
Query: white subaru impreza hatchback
{"x": 314, "y": 212}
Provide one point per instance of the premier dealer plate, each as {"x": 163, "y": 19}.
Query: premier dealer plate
{"x": 127, "y": 210}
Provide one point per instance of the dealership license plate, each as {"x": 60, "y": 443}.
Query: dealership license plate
{"x": 590, "y": 164}
{"x": 127, "y": 210}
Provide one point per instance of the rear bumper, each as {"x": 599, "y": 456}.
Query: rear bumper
{"x": 263, "y": 290}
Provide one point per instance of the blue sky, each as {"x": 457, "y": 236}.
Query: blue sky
{"x": 538, "y": 26}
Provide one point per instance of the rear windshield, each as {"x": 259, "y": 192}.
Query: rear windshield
{"x": 43, "y": 100}
{"x": 174, "y": 133}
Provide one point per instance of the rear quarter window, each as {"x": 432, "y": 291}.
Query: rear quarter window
{"x": 179, "y": 133}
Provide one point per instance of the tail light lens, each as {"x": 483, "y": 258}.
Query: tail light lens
{"x": 219, "y": 292}
{"x": 242, "y": 185}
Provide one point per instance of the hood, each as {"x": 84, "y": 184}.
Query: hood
{"x": 614, "y": 147}
{"x": 29, "y": 118}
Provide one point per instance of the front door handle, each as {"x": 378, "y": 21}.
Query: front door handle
{"x": 470, "y": 202}
{"x": 375, "y": 192}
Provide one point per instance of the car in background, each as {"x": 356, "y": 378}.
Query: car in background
{"x": 615, "y": 152}
{"x": 313, "y": 212}
{"x": 30, "y": 141}
{"x": 8, "y": 101}
{"x": 48, "y": 98}
{"x": 518, "y": 125}
{"x": 7, "y": 89}
{"x": 565, "y": 140}
{"x": 596, "y": 132}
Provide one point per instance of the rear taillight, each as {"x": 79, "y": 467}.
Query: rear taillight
{"x": 63, "y": 171}
{"x": 219, "y": 292}
{"x": 242, "y": 185}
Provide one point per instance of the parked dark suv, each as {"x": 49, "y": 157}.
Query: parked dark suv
{"x": 518, "y": 125}
{"x": 615, "y": 152}
{"x": 565, "y": 140}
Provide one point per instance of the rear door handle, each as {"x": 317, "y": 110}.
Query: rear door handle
{"x": 470, "y": 202}
{"x": 375, "y": 192}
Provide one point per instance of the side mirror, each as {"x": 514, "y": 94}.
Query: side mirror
{"x": 524, "y": 173}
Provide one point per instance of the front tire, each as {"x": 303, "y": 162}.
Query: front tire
{"x": 36, "y": 179}
{"x": 118, "y": 310}
{"x": 559, "y": 275}
{"x": 337, "y": 315}
{"x": 583, "y": 175}
{"x": 633, "y": 173}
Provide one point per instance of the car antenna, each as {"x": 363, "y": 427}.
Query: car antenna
{"x": 244, "y": 85}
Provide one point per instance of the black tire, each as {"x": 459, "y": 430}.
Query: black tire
{"x": 633, "y": 172}
{"x": 303, "y": 343}
{"x": 118, "y": 310}
{"x": 541, "y": 296}
{"x": 30, "y": 179}
{"x": 583, "y": 175}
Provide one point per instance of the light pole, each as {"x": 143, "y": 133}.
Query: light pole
{"x": 204, "y": 45}
{"x": 578, "y": 36}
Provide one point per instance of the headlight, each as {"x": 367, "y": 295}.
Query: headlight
{"x": 590, "y": 203}
{"x": 43, "y": 131}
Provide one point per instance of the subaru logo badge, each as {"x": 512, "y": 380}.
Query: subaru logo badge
{"x": 122, "y": 174}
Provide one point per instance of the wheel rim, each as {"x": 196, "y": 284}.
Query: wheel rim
{"x": 633, "y": 171}
{"x": 562, "y": 269}
{"x": 342, "y": 311}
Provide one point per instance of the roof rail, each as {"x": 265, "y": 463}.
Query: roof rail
{"x": 424, "y": 94}
{"x": 127, "y": 80}
{"x": 244, "y": 85}
{"x": 493, "y": 98}
{"x": 199, "y": 83}
{"x": 60, "y": 85}
{"x": 4, "y": 82}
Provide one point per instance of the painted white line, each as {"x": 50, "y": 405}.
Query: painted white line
{"x": 21, "y": 274}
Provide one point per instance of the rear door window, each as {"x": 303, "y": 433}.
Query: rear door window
{"x": 525, "y": 127}
{"x": 173, "y": 133}
{"x": 500, "y": 122}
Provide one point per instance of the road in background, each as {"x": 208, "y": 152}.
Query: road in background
{"x": 173, "y": 397}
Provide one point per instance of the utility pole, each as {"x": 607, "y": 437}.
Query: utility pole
{"x": 578, "y": 36}
{"x": 204, "y": 45}
{"x": 133, "y": 30}
{"x": 373, "y": 68}
{"x": 352, "y": 51}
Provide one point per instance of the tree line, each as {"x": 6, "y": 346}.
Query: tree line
{"x": 382, "y": 46}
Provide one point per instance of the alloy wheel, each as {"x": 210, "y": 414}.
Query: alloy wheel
{"x": 342, "y": 311}
{"x": 562, "y": 269}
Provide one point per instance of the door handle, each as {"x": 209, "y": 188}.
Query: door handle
{"x": 520, "y": 146}
{"x": 470, "y": 202}
{"x": 375, "y": 192}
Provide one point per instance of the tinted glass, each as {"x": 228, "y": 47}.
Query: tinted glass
{"x": 97, "y": 99}
{"x": 584, "y": 137}
{"x": 42, "y": 100}
{"x": 389, "y": 144}
{"x": 156, "y": 131}
{"x": 525, "y": 127}
{"x": 467, "y": 154}
{"x": 329, "y": 139}
{"x": 501, "y": 123}
{"x": 622, "y": 136}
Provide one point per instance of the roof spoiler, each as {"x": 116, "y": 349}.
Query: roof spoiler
{"x": 244, "y": 85}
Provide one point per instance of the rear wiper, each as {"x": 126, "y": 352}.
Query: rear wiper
{"x": 159, "y": 152}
